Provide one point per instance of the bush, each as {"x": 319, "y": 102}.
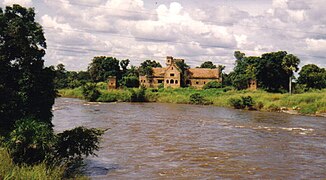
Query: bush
{"x": 90, "y": 92}
{"x": 33, "y": 142}
{"x": 236, "y": 103}
{"x": 72, "y": 145}
{"x": 247, "y": 101}
{"x": 138, "y": 95}
{"x": 196, "y": 98}
{"x": 30, "y": 142}
{"x": 212, "y": 84}
{"x": 244, "y": 102}
{"x": 130, "y": 82}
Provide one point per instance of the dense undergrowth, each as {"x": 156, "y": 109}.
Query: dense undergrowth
{"x": 313, "y": 102}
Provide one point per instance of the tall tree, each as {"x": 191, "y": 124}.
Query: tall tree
{"x": 102, "y": 67}
{"x": 146, "y": 67}
{"x": 312, "y": 76}
{"x": 208, "y": 64}
{"x": 290, "y": 64}
{"x": 26, "y": 86}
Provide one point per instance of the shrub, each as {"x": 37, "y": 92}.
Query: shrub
{"x": 130, "y": 81}
{"x": 247, "y": 101}
{"x": 212, "y": 84}
{"x": 33, "y": 142}
{"x": 72, "y": 145}
{"x": 138, "y": 95}
{"x": 244, "y": 102}
{"x": 30, "y": 141}
{"x": 196, "y": 98}
{"x": 236, "y": 103}
{"x": 90, "y": 92}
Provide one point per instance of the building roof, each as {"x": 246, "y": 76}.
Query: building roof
{"x": 203, "y": 73}
{"x": 158, "y": 72}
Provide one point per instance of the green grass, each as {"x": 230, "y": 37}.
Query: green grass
{"x": 8, "y": 170}
{"x": 306, "y": 103}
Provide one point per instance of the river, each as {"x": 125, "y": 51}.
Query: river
{"x": 177, "y": 141}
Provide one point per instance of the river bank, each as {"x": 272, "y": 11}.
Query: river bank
{"x": 309, "y": 103}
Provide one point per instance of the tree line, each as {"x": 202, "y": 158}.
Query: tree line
{"x": 273, "y": 72}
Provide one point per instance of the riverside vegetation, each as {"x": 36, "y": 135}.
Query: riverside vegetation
{"x": 312, "y": 102}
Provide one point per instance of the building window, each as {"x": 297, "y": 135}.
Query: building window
{"x": 197, "y": 82}
{"x": 167, "y": 81}
{"x": 150, "y": 81}
{"x": 171, "y": 81}
{"x": 176, "y": 81}
{"x": 171, "y": 74}
{"x": 172, "y": 68}
{"x": 144, "y": 81}
{"x": 160, "y": 81}
{"x": 204, "y": 82}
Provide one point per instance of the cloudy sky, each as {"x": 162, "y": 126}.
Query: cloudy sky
{"x": 198, "y": 31}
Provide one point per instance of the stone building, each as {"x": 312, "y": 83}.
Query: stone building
{"x": 112, "y": 82}
{"x": 172, "y": 76}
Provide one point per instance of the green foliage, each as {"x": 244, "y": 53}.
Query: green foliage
{"x": 90, "y": 92}
{"x": 26, "y": 87}
{"x": 272, "y": 70}
{"x": 30, "y": 141}
{"x": 102, "y": 67}
{"x": 33, "y": 142}
{"x": 161, "y": 86}
{"x": 312, "y": 77}
{"x": 183, "y": 67}
{"x": 212, "y": 84}
{"x": 129, "y": 81}
{"x": 77, "y": 142}
{"x": 247, "y": 101}
{"x": 146, "y": 67}
{"x": 138, "y": 95}
{"x": 9, "y": 170}
{"x": 236, "y": 103}
{"x": 196, "y": 98}
{"x": 208, "y": 64}
{"x": 243, "y": 102}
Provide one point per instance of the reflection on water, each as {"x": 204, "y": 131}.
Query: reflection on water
{"x": 171, "y": 141}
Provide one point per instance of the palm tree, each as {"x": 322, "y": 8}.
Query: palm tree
{"x": 290, "y": 63}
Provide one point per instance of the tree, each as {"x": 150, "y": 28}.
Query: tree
{"x": 290, "y": 63}
{"x": 146, "y": 67}
{"x": 208, "y": 64}
{"x": 312, "y": 76}
{"x": 102, "y": 67}
{"x": 124, "y": 64}
{"x": 183, "y": 67}
{"x": 26, "y": 86}
{"x": 271, "y": 73}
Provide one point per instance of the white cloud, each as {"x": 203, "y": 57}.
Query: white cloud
{"x": 26, "y": 3}
{"x": 139, "y": 30}
{"x": 316, "y": 45}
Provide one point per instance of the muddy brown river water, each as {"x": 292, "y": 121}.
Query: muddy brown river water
{"x": 177, "y": 141}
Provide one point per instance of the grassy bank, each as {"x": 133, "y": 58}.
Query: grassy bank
{"x": 9, "y": 170}
{"x": 306, "y": 103}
